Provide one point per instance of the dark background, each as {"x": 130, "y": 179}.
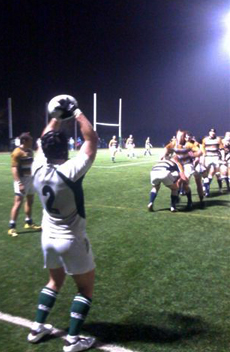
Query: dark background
{"x": 164, "y": 58}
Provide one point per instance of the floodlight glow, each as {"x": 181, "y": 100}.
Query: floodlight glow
{"x": 226, "y": 39}
{"x": 226, "y": 21}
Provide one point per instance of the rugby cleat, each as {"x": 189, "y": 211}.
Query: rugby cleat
{"x": 36, "y": 335}
{"x": 173, "y": 209}
{"x": 150, "y": 207}
{"x": 12, "y": 232}
{"x": 32, "y": 227}
{"x": 82, "y": 344}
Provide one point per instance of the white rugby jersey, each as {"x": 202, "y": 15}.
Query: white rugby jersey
{"x": 226, "y": 149}
{"x": 60, "y": 190}
{"x": 168, "y": 165}
{"x": 212, "y": 146}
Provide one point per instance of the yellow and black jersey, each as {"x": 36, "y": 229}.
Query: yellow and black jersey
{"x": 212, "y": 146}
{"x": 182, "y": 151}
{"x": 22, "y": 159}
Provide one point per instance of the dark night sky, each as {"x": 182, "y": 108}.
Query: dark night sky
{"x": 162, "y": 57}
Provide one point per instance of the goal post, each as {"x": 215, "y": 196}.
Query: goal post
{"x": 95, "y": 122}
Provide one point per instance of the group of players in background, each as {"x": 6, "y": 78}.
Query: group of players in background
{"x": 184, "y": 157}
{"x": 129, "y": 145}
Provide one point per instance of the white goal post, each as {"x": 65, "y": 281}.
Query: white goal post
{"x": 95, "y": 122}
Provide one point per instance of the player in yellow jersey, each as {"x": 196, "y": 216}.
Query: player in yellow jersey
{"x": 199, "y": 168}
{"x": 21, "y": 161}
{"x": 213, "y": 151}
{"x": 113, "y": 148}
{"x": 185, "y": 152}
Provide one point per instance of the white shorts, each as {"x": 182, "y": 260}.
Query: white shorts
{"x": 211, "y": 160}
{"x": 74, "y": 255}
{"x": 130, "y": 147}
{"x": 200, "y": 169}
{"x": 164, "y": 176}
{"x": 189, "y": 170}
{"x": 28, "y": 186}
{"x": 113, "y": 151}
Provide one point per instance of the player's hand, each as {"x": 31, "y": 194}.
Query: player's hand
{"x": 77, "y": 113}
{"x": 21, "y": 188}
{"x": 183, "y": 177}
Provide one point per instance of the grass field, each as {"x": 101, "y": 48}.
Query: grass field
{"x": 163, "y": 279}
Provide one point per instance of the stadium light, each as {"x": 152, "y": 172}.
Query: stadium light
{"x": 226, "y": 41}
{"x": 226, "y": 21}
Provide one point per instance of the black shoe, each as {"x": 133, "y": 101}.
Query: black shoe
{"x": 202, "y": 204}
{"x": 150, "y": 207}
{"x": 189, "y": 206}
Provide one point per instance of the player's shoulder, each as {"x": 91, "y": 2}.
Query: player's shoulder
{"x": 171, "y": 145}
{"x": 16, "y": 151}
{"x": 205, "y": 139}
{"x": 78, "y": 162}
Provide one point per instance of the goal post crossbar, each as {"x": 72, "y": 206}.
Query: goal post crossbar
{"x": 107, "y": 124}
{"x": 95, "y": 123}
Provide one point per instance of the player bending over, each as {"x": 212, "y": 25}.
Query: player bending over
{"x": 167, "y": 172}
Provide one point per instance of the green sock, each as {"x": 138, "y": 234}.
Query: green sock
{"x": 79, "y": 310}
{"x": 46, "y": 301}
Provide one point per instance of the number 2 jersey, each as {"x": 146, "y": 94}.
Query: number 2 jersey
{"x": 59, "y": 188}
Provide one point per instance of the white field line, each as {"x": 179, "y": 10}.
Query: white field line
{"x": 58, "y": 333}
{"x": 123, "y": 165}
{"x": 160, "y": 213}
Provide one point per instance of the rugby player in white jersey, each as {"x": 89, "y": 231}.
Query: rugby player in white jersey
{"x": 130, "y": 147}
{"x": 213, "y": 151}
{"x": 148, "y": 147}
{"x": 65, "y": 245}
{"x": 225, "y": 164}
{"x": 113, "y": 148}
{"x": 167, "y": 172}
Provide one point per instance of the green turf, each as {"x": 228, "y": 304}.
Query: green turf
{"x": 162, "y": 281}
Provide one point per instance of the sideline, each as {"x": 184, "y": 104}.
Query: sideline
{"x": 58, "y": 333}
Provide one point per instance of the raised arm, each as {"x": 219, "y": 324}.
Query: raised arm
{"x": 90, "y": 137}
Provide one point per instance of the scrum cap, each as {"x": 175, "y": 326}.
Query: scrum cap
{"x": 55, "y": 145}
